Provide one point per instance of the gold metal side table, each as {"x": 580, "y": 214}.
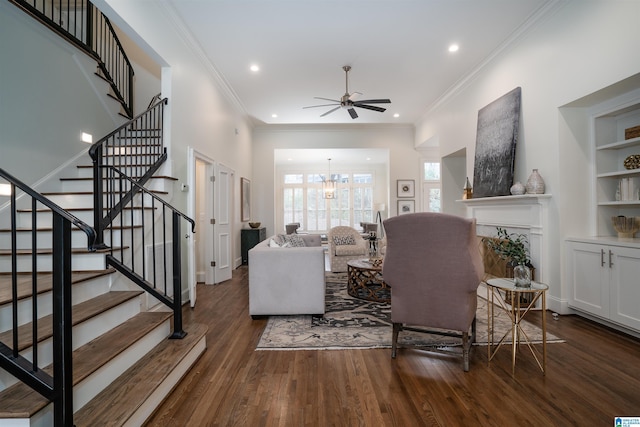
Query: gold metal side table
{"x": 516, "y": 312}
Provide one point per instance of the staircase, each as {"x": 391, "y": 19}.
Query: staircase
{"x": 124, "y": 363}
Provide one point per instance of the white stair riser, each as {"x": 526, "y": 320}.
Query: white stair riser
{"x": 81, "y": 291}
{"x": 79, "y": 262}
{"x": 44, "y": 219}
{"x": 154, "y": 184}
{"x": 44, "y": 239}
{"x": 84, "y": 333}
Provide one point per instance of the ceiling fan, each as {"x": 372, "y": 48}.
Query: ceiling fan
{"x": 347, "y": 101}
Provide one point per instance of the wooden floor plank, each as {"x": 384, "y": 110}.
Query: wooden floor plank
{"x": 591, "y": 378}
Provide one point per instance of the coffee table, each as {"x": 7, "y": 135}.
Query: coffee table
{"x": 364, "y": 281}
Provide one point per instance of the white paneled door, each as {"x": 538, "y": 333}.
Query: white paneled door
{"x": 223, "y": 208}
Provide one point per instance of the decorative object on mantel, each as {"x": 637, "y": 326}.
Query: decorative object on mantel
{"x": 496, "y": 139}
{"x": 633, "y": 132}
{"x": 517, "y": 189}
{"x": 514, "y": 248}
{"x": 467, "y": 190}
{"x": 254, "y": 224}
{"x": 535, "y": 183}
{"x": 626, "y": 227}
{"x": 632, "y": 162}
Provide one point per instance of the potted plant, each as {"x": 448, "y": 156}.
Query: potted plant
{"x": 514, "y": 248}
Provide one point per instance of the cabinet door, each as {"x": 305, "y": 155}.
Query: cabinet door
{"x": 625, "y": 286}
{"x": 588, "y": 278}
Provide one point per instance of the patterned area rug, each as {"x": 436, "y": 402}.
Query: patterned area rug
{"x": 358, "y": 324}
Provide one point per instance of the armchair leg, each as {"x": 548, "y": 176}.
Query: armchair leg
{"x": 466, "y": 346}
{"x": 394, "y": 339}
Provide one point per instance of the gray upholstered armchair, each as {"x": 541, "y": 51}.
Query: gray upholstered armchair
{"x": 345, "y": 244}
{"x": 433, "y": 266}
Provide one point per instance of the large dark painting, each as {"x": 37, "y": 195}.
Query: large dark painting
{"x": 496, "y": 146}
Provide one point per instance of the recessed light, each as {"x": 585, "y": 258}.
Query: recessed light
{"x": 274, "y": 116}
{"x": 454, "y": 48}
{"x": 254, "y": 68}
{"x": 396, "y": 115}
{"x": 5, "y": 189}
{"x": 86, "y": 137}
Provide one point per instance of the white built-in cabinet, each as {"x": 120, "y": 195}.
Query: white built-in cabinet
{"x": 602, "y": 271}
{"x": 604, "y": 280}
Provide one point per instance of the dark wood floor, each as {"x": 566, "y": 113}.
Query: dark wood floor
{"x": 592, "y": 377}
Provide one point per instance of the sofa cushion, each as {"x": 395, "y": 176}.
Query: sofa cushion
{"x": 344, "y": 240}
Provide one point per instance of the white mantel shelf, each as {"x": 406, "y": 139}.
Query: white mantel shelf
{"x": 521, "y": 199}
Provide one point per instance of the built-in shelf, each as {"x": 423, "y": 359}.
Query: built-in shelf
{"x": 620, "y": 144}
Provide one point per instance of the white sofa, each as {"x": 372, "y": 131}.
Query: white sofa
{"x": 287, "y": 280}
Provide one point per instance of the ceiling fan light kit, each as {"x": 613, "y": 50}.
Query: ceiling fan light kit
{"x": 347, "y": 101}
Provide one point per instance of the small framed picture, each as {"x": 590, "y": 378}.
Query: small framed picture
{"x": 245, "y": 196}
{"x": 406, "y": 188}
{"x": 406, "y": 206}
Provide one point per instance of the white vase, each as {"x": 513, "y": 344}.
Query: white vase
{"x": 535, "y": 183}
{"x": 517, "y": 189}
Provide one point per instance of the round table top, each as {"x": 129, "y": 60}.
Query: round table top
{"x": 364, "y": 264}
{"x": 509, "y": 285}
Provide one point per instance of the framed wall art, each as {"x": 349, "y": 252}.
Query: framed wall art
{"x": 496, "y": 139}
{"x": 245, "y": 197}
{"x": 406, "y": 188}
{"x": 406, "y": 206}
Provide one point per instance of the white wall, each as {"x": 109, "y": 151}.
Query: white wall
{"x": 48, "y": 97}
{"x": 201, "y": 114}
{"x": 584, "y": 46}
{"x": 404, "y": 160}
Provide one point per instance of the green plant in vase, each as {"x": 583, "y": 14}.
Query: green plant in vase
{"x": 514, "y": 248}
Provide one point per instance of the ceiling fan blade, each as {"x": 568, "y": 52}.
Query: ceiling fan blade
{"x": 327, "y": 99}
{"x": 330, "y": 111}
{"x": 353, "y": 113}
{"x": 323, "y": 105}
{"x": 375, "y": 101}
{"x": 369, "y": 107}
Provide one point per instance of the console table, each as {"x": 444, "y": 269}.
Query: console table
{"x": 249, "y": 237}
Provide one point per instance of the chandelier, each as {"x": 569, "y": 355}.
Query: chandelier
{"x": 329, "y": 186}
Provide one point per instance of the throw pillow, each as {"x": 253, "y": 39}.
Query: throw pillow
{"x": 294, "y": 240}
{"x": 344, "y": 240}
{"x": 273, "y": 244}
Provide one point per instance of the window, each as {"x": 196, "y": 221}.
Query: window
{"x": 431, "y": 186}
{"x": 303, "y": 201}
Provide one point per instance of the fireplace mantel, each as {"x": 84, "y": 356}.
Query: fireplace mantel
{"x": 527, "y": 214}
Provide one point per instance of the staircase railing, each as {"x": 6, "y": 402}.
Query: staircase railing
{"x": 123, "y": 162}
{"x": 154, "y": 261}
{"x": 56, "y": 387}
{"x": 81, "y": 23}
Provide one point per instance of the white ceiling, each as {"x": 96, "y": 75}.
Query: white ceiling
{"x": 398, "y": 50}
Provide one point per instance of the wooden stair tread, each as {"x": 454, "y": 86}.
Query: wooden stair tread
{"x": 20, "y": 401}
{"x": 45, "y": 282}
{"x": 90, "y": 193}
{"x": 49, "y": 229}
{"x": 49, "y": 251}
{"x": 81, "y": 312}
{"x": 133, "y": 177}
{"x": 83, "y": 209}
{"x": 116, "y": 403}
